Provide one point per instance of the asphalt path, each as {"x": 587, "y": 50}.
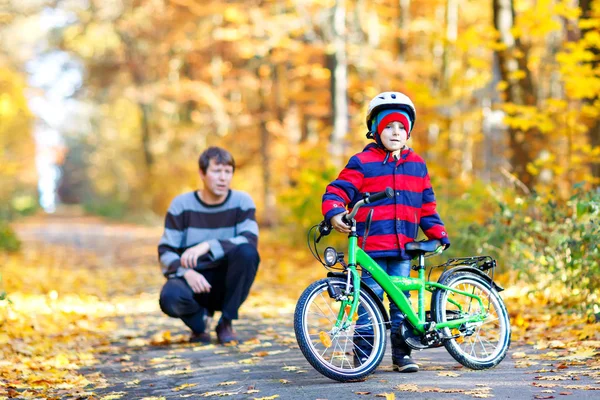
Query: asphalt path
{"x": 269, "y": 364}
{"x": 148, "y": 355}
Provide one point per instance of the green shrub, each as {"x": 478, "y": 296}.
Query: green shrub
{"x": 8, "y": 238}
{"x": 301, "y": 202}
{"x": 548, "y": 242}
{"x": 24, "y": 205}
{"x": 3, "y": 295}
{"x": 109, "y": 208}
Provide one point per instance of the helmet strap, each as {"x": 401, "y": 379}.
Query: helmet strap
{"x": 369, "y": 135}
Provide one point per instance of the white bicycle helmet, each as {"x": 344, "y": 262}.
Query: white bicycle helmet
{"x": 387, "y": 101}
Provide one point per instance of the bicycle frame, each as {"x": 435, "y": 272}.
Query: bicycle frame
{"x": 395, "y": 287}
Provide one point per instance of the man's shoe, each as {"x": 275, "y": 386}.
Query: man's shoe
{"x": 225, "y": 332}
{"x": 202, "y": 337}
{"x": 405, "y": 364}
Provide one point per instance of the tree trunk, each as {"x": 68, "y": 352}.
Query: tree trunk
{"x": 403, "y": 23}
{"x": 269, "y": 216}
{"x": 521, "y": 92}
{"x": 451, "y": 20}
{"x": 135, "y": 66}
{"x": 339, "y": 82}
{"x": 594, "y": 130}
{"x": 186, "y": 108}
{"x": 148, "y": 158}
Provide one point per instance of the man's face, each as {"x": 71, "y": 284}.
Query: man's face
{"x": 217, "y": 178}
{"x": 394, "y": 136}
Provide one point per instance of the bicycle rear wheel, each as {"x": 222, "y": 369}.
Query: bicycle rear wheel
{"x": 329, "y": 350}
{"x": 480, "y": 345}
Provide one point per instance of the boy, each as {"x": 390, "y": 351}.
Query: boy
{"x": 387, "y": 162}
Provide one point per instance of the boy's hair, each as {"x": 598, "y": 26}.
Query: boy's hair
{"x": 221, "y": 156}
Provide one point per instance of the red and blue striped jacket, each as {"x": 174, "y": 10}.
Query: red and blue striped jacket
{"x": 395, "y": 221}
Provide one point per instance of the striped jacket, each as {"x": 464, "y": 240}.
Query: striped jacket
{"x": 190, "y": 221}
{"x": 395, "y": 221}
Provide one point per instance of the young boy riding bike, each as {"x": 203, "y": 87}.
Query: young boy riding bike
{"x": 387, "y": 162}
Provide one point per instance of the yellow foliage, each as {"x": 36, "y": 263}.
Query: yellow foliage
{"x": 17, "y": 147}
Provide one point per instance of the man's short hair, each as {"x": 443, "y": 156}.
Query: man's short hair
{"x": 221, "y": 156}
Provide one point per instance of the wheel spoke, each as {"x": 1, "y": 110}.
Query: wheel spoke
{"x": 486, "y": 343}
{"x": 320, "y": 315}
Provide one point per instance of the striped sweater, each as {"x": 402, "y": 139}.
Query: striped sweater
{"x": 190, "y": 221}
{"x": 395, "y": 221}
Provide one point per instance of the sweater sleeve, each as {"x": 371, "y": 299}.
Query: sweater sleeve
{"x": 246, "y": 229}
{"x": 341, "y": 191}
{"x": 170, "y": 246}
{"x": 431, "y": 223}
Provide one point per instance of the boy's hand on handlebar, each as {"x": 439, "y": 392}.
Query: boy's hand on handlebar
{"x": 338, "y": 224}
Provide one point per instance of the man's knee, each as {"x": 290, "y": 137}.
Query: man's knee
{"x": 246, "y": 251}
{"x": 245, "y": 254}
{"x": 175, "y": 300}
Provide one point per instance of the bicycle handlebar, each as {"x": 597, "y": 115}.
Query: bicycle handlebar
{"x": 387, "y": 193}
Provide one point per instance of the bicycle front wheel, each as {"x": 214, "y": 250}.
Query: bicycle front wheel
{"x": 479, "y": 345}
{"x": 330, "y": 350}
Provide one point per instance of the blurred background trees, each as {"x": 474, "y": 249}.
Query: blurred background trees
{"x": 131, "y": 91}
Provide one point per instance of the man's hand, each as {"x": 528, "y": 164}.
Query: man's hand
{"x": 197, "y": 281}
{"x": 189, "y": 258}
{"x": 338, "y": 224}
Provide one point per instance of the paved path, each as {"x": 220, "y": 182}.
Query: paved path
{"x": 269, "y": 362}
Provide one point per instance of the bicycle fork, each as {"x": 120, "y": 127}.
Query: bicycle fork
{"x": 348, "y": 307}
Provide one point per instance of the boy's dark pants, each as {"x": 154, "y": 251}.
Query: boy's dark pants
{"x": 230, "y": 279}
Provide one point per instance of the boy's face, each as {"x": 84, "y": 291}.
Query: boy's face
{"x": 217, "y": 178}
{"x": 394, "y": 136}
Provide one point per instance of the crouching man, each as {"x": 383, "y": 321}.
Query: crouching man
{"x": 208, "y": 250}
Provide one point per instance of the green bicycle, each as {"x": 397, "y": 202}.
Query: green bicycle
{"x": 466, "y": 315}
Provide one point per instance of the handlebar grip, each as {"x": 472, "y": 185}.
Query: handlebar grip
{"x": 387, "y": 193}
{"x": 345, "y": 219}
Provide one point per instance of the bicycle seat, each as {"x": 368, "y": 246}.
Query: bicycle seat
{"x": 426, "y": 246}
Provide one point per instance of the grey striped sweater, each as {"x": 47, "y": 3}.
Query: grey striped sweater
{"x": 190, "y": 221}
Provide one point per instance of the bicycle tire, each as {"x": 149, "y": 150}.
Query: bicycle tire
{"x": 487, "y": 345}
{"x": 313, "y": 348}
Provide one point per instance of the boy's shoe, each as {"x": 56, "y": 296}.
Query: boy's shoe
{"x": 225, "y": 332}
{"x": 358, "y": 361}
{"x": 202, "y": 337}
{"x": 405, "y": 364}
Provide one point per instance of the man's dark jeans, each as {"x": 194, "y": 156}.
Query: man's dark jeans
{"x": 230, "y": 279}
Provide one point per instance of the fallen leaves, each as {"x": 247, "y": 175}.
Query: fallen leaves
{"x": 582, "y": 387}
{"x": 228, "y": 383}
{"x": 113, "y": 396}
{"x": 184, "y": 386}
{"x": 449, "y": 374}
{"x": 480, "y": 391}
{"x": 170, "y": 372}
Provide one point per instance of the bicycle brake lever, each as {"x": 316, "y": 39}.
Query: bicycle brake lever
{"x": 324, "y": 230}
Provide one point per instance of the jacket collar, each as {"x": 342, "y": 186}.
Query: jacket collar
{"x": 385, "y": 154}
